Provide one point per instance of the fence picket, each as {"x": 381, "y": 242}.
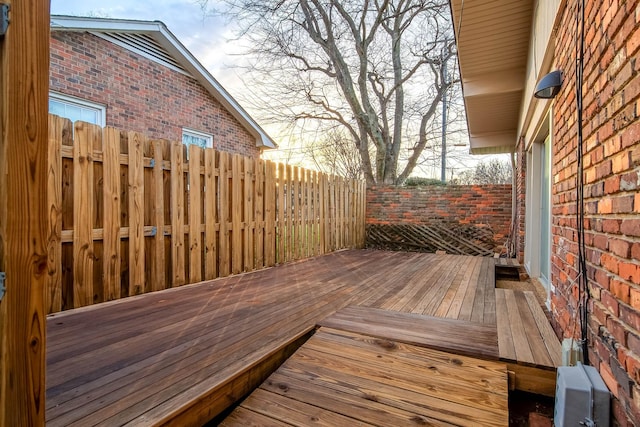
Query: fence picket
{"x": 236, "y": 215}
{"x": 111, "y": 239}
{"x": 281, "y": 211}
{"x": 195, "y": 215}
{"x": 53, "y": 293}
{"x": 210, "y": 215}
{"x": 225, "y": 206}
{"x": 248, "y": 239}
{"x": 270, "y": 214}
{"x": 157, "y": 256}
{"x": 83, "y": 213}
{"x": 177, "y": 216}
{"x": 259, "y": 213}
{"x": 136, "y": 213}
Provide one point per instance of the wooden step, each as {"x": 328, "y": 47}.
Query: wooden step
{"x": 451, "y": 335}
{"x": 345, "y": 378}
{"x": 526, "y": 341}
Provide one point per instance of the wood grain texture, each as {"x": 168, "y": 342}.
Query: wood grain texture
{"x": 158, "y": 276}
{"x": 281, "y": 235}
{"x": 210, "y": 216}
{"x": 270, "y": 214}
{"x": 237, "y": 210}
{"x": 340, "y": 378}
{"x": 224, "y": 262}
{"x": 524, "y": 333}
{"x": 452, "y": 335}
{"x": 289, "y": 215}
{"x": 182, "y": 355}
{"x": 195, "y": 215}
{"x": 111, "y": 238}
{"x": 258, "y": 213}
{"x": 25, "y": 226}
{"x": 177, "y": 216}
{"x": 136, "y": 213}
{"x": 53, "y": 294}
{"x": 84, "y": 136}
{"x": 247, "y": 217}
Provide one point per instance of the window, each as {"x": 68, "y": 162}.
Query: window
{"x": 76, "y": 109}
{"x": 193, "y": 137}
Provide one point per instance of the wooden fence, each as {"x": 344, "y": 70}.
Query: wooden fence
{"x": 128, "y": 215}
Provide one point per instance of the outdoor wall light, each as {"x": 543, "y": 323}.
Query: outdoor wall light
{"x": 549, "y": 86}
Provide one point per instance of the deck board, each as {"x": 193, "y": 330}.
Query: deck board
{"x": 526, "y": 341}
{"x": 346, "y": 375}
{"x": 182, "y": 355}
{"x": 452, "y": 335}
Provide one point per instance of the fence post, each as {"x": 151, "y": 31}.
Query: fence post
{"x": 24, "y": 221}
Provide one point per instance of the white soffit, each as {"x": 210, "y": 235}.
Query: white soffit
{"x": 493, "y": 41}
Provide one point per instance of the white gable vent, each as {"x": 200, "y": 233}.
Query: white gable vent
{"x": 144, "y": 45}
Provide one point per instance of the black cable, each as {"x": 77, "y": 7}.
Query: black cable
{"x": 583, "y": 282}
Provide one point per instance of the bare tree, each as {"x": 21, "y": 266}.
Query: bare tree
{"x": 491, "y": 172}
{"x": 336, "y": 154}
{"x": 375, "y": 69}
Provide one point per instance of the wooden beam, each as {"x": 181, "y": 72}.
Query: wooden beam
{"x": 24, "y": 86}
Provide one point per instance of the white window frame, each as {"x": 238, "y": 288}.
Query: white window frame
{"x": 192, "y": 132}
{"x": 78, "y": 102}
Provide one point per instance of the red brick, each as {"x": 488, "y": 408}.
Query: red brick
{"x": 619, "y": 247}
{"x": 633, "y": 341}
{"x": 630, "y": 316}
{"x": 620, "y": 290}
{"x": 601, "y": 241}
{"x": 610, "y": 263}
{"x": 612, "y": 185}
{"x": 160, "y": 102}
{"x": 611, "y": 303}
{"x": 616, "y": 329}
{"x": 611, "y": 226}
{"x": 609, "y": 380}
{"x": 630, "y": 227}
{"x": 629, "y": 271}
{"x": 623, "y": 204}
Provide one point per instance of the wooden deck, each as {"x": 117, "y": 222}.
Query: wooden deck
{"x": 339, "y": 378}
{"x": 181, "y": 356}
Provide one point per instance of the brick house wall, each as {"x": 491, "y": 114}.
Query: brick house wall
{"x": 612, "y": 202}
{"x": 487, "y": 205}
{"x": 140, "y": 94}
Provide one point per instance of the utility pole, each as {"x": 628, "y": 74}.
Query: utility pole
{"x": 443, "y": 155}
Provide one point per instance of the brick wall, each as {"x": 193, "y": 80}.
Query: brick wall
{"x": 478, "y": 205}
{"x": 140, "y": 94}
{"x": 612, "y": 203}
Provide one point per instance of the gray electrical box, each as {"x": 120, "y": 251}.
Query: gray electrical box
{"x": 582, "y": 398}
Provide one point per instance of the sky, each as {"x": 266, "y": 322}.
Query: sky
{"x": 210, "y": 40}
{"x": 204, "y": 35}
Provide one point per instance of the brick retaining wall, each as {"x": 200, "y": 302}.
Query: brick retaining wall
{"x": 486, "y": 206}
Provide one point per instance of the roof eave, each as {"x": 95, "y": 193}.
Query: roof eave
{"x": 493, "y": 41}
